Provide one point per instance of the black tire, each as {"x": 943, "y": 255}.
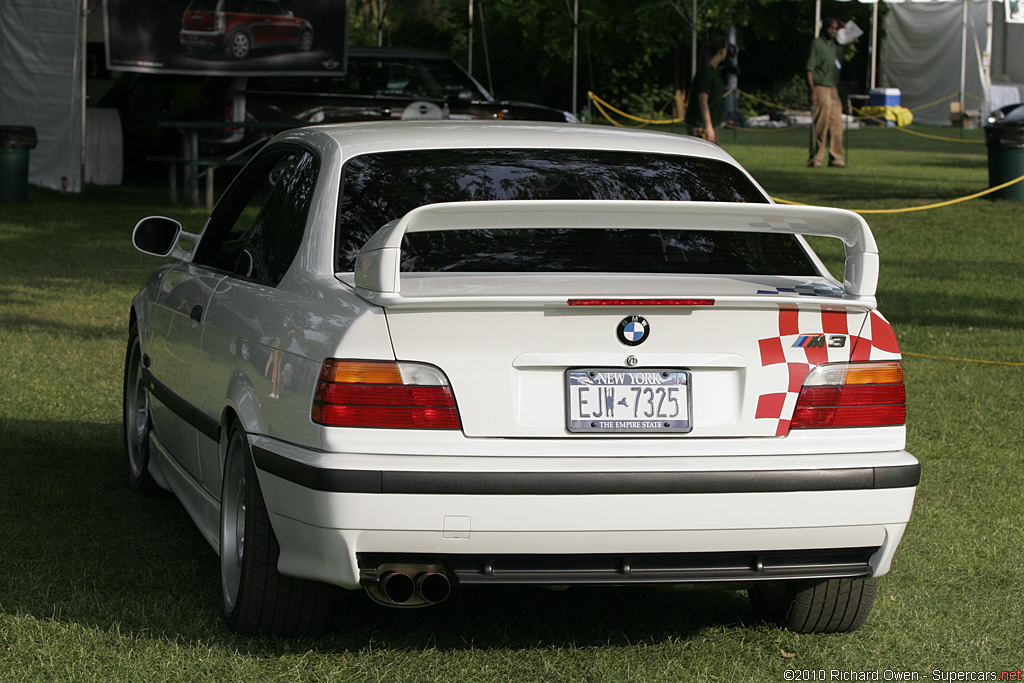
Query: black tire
{"x": 821, "y": 606}
{"x": 256, "y": 598}
{"x": 238, "y": 45}
{"x": 136, "y": 424}
{"x": 305, "y": 41}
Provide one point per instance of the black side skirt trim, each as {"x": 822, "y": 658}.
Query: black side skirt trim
{"x": 583, "y": 483}
{"x": 207, "y": 425}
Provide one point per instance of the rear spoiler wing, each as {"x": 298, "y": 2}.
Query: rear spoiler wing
{"x": 378, "y": 266}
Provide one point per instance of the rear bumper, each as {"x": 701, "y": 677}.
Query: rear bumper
{"x": 660, "y": 525}
{"x": 207, "y": 39}
{"x": 633, "y": 568}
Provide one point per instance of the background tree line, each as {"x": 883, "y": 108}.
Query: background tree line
{"x": 633, "y": 54}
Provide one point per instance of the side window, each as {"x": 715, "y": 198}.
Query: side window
{"x": 256, "y": 229}
{"x": 270, "y": 8}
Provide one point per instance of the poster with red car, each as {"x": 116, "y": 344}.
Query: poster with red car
{"x": 226, "y": 37}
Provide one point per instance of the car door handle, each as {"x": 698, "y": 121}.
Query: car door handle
{"x": 197, "y": 313}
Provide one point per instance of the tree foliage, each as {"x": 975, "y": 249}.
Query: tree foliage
{"x": 633, "y": 53}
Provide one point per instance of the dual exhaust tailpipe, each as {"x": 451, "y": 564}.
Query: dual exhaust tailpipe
{"x": 410, "y": 585}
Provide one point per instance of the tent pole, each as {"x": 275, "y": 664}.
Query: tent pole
{"x": 693, "y": 42}
{"x": 575, "y": 53}
{"x": 963, "y": 57}
{"x": 986, "y": 59}
{"x": 874, "y": 46}
{"x": 470, "y": 60}
{"x": 817, "y": 18}
{"x": 83, "y": 37}
{"x": 380, "y": 23}
{"x": 487, "y": 54}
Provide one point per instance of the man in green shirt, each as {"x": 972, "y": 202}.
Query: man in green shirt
{"x": 823, "y": 65}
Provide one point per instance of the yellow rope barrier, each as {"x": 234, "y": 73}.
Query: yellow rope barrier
{"x": 932, "y": 104}
{"x": 601, "y": 105}
{"x": 901, "y": 129}
{"x": 610, "y": 119}
{"x": 770, "y": 104}
{"x": 922, "y": 208}
{"x": 965, "y": 360}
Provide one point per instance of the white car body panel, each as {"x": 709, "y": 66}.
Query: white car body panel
{"x": 505, "y": 342}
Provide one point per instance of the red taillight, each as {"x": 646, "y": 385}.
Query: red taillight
{"x": 852, "y": 395}
{"x": 384, "y": 394}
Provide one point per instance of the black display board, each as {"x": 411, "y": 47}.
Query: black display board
{"x": 226, "y": 37}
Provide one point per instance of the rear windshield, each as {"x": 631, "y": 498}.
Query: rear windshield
{"x": 379, "y": 188}
{"x": 202, "y": 6}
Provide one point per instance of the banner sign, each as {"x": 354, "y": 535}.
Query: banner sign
{"x": 1014, "y": 11}
{"x": 226, "y": 37}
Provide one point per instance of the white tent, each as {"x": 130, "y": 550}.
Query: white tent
{"x": 967, "y": 49}
{"x": 39, "y": 40}
{"x": 942, "y": 50}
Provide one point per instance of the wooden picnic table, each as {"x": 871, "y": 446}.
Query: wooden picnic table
{"x": 191, "y": 161}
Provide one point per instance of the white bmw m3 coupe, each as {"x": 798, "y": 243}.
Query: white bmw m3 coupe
{"x": 409, "y": 358}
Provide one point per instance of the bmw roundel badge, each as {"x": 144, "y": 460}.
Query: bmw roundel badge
{"x": 633, "y": 330}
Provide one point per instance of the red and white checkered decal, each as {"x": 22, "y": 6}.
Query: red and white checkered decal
{"x": 877, "y": 341}
{"x": 789, "y": 364}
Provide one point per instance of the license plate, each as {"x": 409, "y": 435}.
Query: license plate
{"x": 628, "y": 401}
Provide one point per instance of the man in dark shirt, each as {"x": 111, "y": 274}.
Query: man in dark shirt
{"x": 823, "y": 65}
{"x": 704, "y": 107}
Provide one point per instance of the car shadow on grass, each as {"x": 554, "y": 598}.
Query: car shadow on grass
{"x": 523, "y": 617}
{"x": 82, "y": 548}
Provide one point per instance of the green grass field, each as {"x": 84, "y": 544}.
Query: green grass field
{"x": 99, "y": 584}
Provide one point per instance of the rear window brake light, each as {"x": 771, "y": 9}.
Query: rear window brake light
{"x": 641, "y": 302}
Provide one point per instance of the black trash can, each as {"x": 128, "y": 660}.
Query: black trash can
{"x": 1004, "y": 138}
{"x": 15, "y": 143}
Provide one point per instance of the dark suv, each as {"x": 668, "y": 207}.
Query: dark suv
{"x": 240, "y": 26}
{"x": 379, "y": 84}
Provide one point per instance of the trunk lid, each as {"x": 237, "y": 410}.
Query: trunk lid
{"x": 746, "y": 355}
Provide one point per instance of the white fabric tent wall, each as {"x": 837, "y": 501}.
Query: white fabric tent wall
{"x": 921, "y": 54}
{"x": 927, "y": 53}
{"x": 41, "y": 85}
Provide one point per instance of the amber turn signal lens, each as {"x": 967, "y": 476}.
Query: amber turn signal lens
{"x": 361, "y": 372}
{"x": 874, "y": 373}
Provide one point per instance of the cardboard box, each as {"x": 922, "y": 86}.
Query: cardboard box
{"x": 961, "y": 118}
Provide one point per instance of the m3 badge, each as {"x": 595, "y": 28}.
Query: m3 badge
{"x": 820, "y": 341}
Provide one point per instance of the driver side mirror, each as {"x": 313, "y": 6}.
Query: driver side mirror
{"x": 158, "y": 236}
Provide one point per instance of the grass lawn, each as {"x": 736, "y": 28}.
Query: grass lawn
{"x": 99, "y": 584}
